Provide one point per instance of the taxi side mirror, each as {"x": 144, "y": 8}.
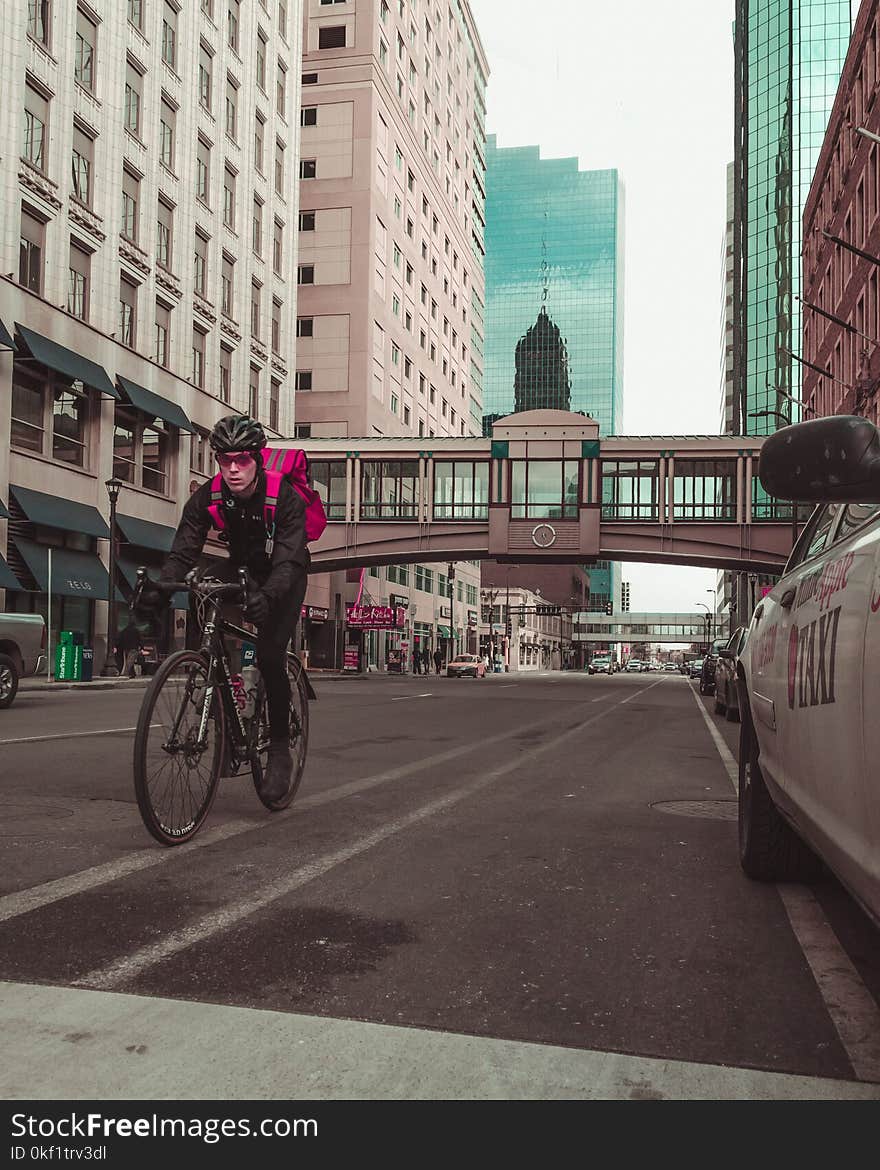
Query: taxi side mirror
{"x": 728, "y": 654}
{"x": 835, "y": 458}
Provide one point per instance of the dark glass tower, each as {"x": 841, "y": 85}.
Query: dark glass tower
{"x": 541, "y": 379}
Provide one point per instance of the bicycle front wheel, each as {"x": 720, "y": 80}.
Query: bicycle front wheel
{"x": 176, "y": 773}
{"x": 299, "y": 735}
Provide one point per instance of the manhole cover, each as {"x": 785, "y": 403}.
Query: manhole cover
{"x": 713, "y": 810}
{"x": 26, "y": 819}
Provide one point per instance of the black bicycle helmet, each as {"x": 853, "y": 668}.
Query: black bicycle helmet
{"x": 238, "y": 432}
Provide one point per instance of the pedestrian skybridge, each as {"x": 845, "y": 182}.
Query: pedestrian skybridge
{"x": 546, "y": 489}
{"x": 639, "y": 627}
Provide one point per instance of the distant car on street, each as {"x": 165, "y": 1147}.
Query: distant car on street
{"x": 726, "y": 696}
{"x": 695, "y": 668}
{"x": 809, "y": 688}
{"x": 466, "y": 666}
{"x": 670, "y": 668}
{"x": 634, "y": 666}
{"x": 600, "y": 664}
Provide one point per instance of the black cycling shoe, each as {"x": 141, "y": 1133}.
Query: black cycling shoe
{"x": 276, "y": 776}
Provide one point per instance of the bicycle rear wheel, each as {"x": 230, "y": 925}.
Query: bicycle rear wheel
{"x": 299, "y": 735}
{"x": 175, "y": 776}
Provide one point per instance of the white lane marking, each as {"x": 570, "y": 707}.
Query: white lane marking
{"x": 131, "y": 966}
{"x": 636, "y": 694}
{"x": 70, "y": 735}
{"x": 601, "y": 699}
{"x": 406, "y": 698}
{"x": 506, "y": 686}
{"x": 853, "y": 1010}
{"x": 35, "y": 897}
{"x": 724, "y": 751}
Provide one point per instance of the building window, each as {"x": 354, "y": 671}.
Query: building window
{"x": 30, "y": 254}
{"x": 169, "y": 35}
{"x": 233, "y": 19}
{"x": 40, "y": 19}
{"x": 276, "y": 326}
{"x": 133, "y": 83}
{"x": 203, "y": 171}
{"x": 303, "y": 380}
{"x": 200, "y": 265}
{"x": 225, "y": 372}
{"x": 227, "y": 282}
{"x": 205, "y": 67}
{"x": 257, "y": 227}
{"x": 309, "y": 79}
{"x": 305, "y": 274}
{"x": 278, "y": 247}
{"x": 127, "y": 312}
{"x": 36, "y": 120}
{"x": 307, "y": 221}
{"x": 307, "y": 168}
{"x": 332, "y": 37}
{"x": 78, "y": 282}
{"x": 231, "y": 108}
{"x": 84, "y": 58}
{"x": 164, "y": 225}
{"x": 141, "y": 450}
{"x": 305, "y": 326}
{"x": 83, "y": 156}
{"x": 309, "y": 116}
{"x": 281, "y": 89}
{"x": 162, "y": 335}
{"x": 261, "y": 60}
{"x": 279, "y": 167}
{"x": 282, "y": 18}
{"x": 255, "y": 309}
{"x": 131, "y": 187}
{"x": 167, "y": 121}
{"x": 259, "y": 135}
{"x": 198, "y": 358}
{"x": 274, "y": 401}
{"x": 254, "y": 393}
{"x": 229, "y": 198}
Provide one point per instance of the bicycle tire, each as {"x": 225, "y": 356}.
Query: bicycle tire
{"x": 299, "y": 735}
{"x": 171, "y": 809}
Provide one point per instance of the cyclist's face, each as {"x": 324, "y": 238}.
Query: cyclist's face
{"x": 239, "y": 470}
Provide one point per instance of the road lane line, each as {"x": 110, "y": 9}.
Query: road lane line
{"x": 121, "y": 971}
{"x": 852, "y": 1009}
{"x": 70, "y": 735}
{"x": 36, "y": 897}
{"x": 408, "y": 698}
{"x": 636, "y": 694}
{"x": 724, "y": 751}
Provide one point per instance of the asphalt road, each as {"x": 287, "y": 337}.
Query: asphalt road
{"x": 524, "y": 886}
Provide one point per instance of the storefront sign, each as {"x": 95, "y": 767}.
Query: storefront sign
{"x": 375, "y": 617}
{"x": 472, "y": 617}
{"x": 350, "y": 658}
{"x": 445, "y": 611}
{"x": 315, "y": 613}
{"x": 398, "y": 601}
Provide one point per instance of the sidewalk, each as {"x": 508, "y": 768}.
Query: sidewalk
{"x": 102, "y": 683}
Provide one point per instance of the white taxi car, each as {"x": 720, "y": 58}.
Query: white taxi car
{"x": 809, "y": 687}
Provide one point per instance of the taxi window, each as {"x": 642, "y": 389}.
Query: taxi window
{"x": 854, "y": 516}
{"x": 815, "y": 535}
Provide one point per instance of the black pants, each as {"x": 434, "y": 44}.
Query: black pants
{"x": 272, "y": 640}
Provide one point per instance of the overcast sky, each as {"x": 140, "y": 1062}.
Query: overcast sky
{"x": 646, "y": 87}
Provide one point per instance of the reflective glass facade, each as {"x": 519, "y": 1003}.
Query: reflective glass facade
{"x": 789, "y": 59}
{"x": 554, "y": 295}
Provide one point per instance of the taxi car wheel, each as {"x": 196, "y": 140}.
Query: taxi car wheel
{"x": 769, "y": 849}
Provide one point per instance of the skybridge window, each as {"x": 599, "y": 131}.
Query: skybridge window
{"x": 390, "y": 489}
{"x": 545, "y": 489}
{"x": 461, "y": 490}
{"x": 705, "y": 489}
{"x": 630, "y": 489}
{"x": 328, "y": 480}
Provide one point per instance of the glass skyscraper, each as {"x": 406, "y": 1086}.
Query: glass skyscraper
{"x": 788, "y": 59}
{"x": 554, "y": 296}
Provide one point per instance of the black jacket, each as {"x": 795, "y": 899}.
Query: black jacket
{"x": 247, "y": 535}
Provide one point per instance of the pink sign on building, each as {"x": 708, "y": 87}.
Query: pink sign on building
{"x": 375, "y": 617}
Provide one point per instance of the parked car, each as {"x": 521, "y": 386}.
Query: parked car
{"x": 669, "y": 668}
{"x": 809, "y": 687}
{"x": 22, "y": 651}
{"x": 466, "y": 666}
{"x": 695, "y": 668}
{"x": 726, "y": 697}
{"x": 600, "y": 664}
{"x": 634, "y": 666}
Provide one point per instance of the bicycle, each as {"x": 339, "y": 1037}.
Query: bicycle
{"x": 191, "y": 721}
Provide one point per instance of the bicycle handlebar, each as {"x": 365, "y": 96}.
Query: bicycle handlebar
{"x": 205, "y": 588}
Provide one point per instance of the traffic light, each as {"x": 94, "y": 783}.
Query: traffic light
{"x": 609, "y": 608}
{"x": 509, "y": 628}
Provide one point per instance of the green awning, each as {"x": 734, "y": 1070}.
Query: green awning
{"x": 74, "y": 573}
{"x": 154, "y": 405}
{"x": 443, "y": 632}
{"x": 8, "y": 579}
{"x": 145, "y": 533}
{"x": 65, "y": 361}
{"x": 128, "y": 568}
{"x": 54, "y": 512}
{"x": 6, "y": 341}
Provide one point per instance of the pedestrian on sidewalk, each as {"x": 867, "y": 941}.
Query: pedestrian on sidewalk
{"x": 129, "y": 645}
{"x": 417, "y": 660}
{"x": 426, "y": 659}
{"x": 438, "y": 659}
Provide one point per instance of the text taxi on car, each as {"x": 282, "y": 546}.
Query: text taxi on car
{"x": 809, "y": 687}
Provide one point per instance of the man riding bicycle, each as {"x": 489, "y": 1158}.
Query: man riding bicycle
{"x": 277, "y": 561}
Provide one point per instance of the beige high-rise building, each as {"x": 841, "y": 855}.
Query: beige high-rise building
{"x": 390, "y": 297}
{"x": 148, "y": 272}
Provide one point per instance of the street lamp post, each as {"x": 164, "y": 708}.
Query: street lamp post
{"x": 110, "y": 669}
{"x": 450, "y": 572}
{"x": 708, "y": 620}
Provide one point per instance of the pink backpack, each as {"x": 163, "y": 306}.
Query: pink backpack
{"x": 279, "y": 463}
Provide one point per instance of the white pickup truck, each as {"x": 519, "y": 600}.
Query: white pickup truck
{"x": 22, "y": 651}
